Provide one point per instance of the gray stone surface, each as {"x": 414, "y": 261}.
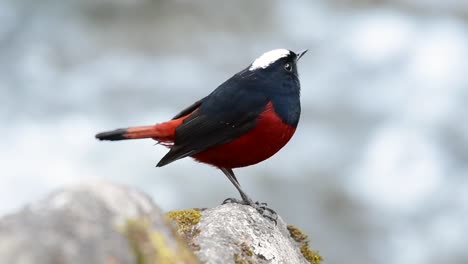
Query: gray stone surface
{"x": 82, "y": 224}
{"x": 232, "y": 231}
{"x": 113, "y": 224}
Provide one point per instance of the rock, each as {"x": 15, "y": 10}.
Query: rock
{"x": 99, "y": 223}
{"x": 113, "y": 224}
{"x": 234, "y": 233}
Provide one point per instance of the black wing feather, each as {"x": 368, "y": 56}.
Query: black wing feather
{"x": 199, "y": 132}
{"x": 227, "y": 113}
{"x": 189, "y": 109}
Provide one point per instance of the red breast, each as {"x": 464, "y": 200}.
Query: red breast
{"x": 268, "y": 136}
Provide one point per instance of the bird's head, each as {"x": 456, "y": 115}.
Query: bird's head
{"x": 276, "y": 72}
{"x": 278, "y": 61}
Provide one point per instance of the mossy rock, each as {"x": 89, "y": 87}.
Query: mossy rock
{"x": 245, "y": 256}
{"x": 153, "y": 246}
{"x": 186, "y": 220}
{"x": 300, "y": 237}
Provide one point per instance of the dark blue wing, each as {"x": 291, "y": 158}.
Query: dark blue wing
{"x": 227, "y": 113}
{"x": 189, "y": 109}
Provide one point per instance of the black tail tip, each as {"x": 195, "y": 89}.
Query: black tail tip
{"x": 118, "y": 134}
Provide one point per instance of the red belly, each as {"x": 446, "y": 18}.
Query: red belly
{"x": 268, "y": 136}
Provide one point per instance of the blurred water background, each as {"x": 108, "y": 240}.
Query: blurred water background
{"x": 376, "y": 173}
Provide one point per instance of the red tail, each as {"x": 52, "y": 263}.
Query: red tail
{"x": 163, "y": 132}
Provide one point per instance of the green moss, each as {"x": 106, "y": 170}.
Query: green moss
{"x": 245, "y": 255}
{"x": 239, "y": 259}
{"x": 300, "y": 237}
{"x": 246, "y": 249}
{"x": 185, "y": 219}
{"x": 311, "y": 255}
{"x": 297, "y": 234}
{"x": 150, "y": 246}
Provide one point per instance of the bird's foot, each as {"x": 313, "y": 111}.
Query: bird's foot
{"x": 234, "y": 200}
{"x": 260, "y": 207}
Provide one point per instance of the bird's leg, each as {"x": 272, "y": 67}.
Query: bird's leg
{"x": 260, "y": 207}
{"x": 245, "y": 198}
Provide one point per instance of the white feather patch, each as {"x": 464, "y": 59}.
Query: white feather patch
{"x": 268, "y": 58}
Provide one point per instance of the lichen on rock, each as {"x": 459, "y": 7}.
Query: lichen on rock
{"x": 151, "y": 246}
{"x": 245, "y": 256}
{"x": 300, "y": 237}
{"x": 186, "y": 221}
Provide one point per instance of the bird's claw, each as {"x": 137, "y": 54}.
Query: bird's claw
{"x": 266, "y": 211}
{"x": 234, "y": 200}
{"x": 260, "y": 207}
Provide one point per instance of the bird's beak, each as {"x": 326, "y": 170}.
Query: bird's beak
{"x": 300, "y": 54}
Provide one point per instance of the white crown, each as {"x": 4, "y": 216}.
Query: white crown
{"x": 268, "y": 58}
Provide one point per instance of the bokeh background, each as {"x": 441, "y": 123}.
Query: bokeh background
{"x": 376, "y": 173}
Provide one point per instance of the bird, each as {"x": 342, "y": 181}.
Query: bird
{"x": 244, "y": 121}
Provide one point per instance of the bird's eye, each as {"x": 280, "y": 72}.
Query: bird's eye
{"x": 288, "y": 67}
